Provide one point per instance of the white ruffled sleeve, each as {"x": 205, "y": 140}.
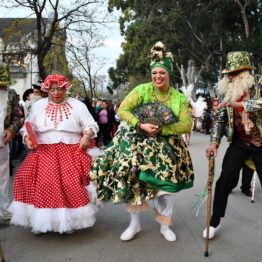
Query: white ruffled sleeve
{"x": 87, "y": 121}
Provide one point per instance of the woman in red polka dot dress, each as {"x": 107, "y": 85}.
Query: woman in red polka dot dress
{"x": 51, "y": 188}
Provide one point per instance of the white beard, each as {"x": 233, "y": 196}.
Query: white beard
{"x": 235, "y": 89}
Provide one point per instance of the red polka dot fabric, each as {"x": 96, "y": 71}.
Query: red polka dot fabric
{"x": 54, "y": 176}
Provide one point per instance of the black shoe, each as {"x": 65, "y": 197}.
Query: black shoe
{"x": 247, "y": 192}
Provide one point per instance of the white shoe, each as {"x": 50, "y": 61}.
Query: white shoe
{"x": 212, "y": 231}
{"x": 168, "y": 234}
{"x": 129, "y": 233}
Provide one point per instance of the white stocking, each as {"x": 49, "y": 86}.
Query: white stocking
{"x": 133, "y": 228}
{"x": 134, "y": 220}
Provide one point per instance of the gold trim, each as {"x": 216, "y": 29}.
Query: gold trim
{"x": 6, "y": 83}
{"x": 225, "y": 71}
{"x": 163, "y": 220}
{"x": 137, "y": 208}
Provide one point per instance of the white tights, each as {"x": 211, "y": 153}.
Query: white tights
{"x": 163, "y": 204}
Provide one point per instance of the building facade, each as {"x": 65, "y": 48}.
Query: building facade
{"x": 17, "y": 49}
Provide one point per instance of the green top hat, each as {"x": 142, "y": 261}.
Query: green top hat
{"x": 5, "y": 78}
{"x": 236, "y": 61}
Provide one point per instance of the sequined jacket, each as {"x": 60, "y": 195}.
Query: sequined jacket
{"x": 224, "y": 118}
{"x": 12, "y": 115}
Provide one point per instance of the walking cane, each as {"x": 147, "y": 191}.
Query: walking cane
{"x": 211, "y": 168}
{"x": 250, "y": 163}
{"x": 1, "y": 253}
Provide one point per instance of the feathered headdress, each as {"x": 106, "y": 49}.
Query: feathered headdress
{"x": 199, "y": 105}
{"x": 159, "y": 57}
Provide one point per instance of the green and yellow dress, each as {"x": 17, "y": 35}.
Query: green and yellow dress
{"x": 136, "y": 165}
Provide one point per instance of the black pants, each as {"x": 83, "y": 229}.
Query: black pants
{"x": 106, "y": 131}
{"x": 233, "y": 161}
{"x": 247, "y": 175}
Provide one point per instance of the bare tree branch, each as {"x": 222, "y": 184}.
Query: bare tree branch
{"x": 242, "y": 8}
{"x": 84, "y": 66}
{"x": 77, "y": 17}
{"x": 75, "y": 10}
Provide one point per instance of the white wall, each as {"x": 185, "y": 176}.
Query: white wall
{"x": 32, "y": 76}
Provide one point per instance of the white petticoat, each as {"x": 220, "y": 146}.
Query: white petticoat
{"x": 55, "y": 219}
{"x": 94, "y": 152}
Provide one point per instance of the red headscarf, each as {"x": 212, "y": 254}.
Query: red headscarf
{"x": 58, "y": 79}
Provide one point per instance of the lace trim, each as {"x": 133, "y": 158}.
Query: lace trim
{"x": 162, "y": 219}
{"x": 137, "y": 208}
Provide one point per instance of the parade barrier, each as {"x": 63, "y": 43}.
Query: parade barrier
{"x": 211, "y": 170}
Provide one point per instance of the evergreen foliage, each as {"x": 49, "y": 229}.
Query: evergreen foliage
{"x": 197, "y": 31}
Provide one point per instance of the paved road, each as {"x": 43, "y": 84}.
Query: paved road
{"x": 239, "y": 238}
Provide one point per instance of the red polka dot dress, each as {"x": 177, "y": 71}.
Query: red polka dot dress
{"x": 51, "y": 187}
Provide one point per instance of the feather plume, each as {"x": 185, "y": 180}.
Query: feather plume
{"x": 199, "y": 105}
{"x": 187, "y": 91}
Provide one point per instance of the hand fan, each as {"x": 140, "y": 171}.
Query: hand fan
{"x": 31, "y": 134}
{"x": 155, "y": 113}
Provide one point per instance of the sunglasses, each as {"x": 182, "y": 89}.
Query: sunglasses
{"x": 60, "y": 88}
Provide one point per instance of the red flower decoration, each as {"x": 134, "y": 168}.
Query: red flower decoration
{"x": 241, "y": 99}
{"x": 59, "y": 79}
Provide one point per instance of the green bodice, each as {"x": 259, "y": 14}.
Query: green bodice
{"x": 145, "y": 93}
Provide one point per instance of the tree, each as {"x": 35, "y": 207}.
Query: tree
{"x": 197, "y": 33}
{"x": 77, "y": 15}
{"x": 55, "y": 61}
{"x": 85, "y": 66}
{"x": 243, "y": 8}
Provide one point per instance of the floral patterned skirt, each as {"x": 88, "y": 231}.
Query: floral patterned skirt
{"x": 136, "y": 166}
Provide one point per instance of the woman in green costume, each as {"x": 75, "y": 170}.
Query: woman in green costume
{"x": 148, "y": 161}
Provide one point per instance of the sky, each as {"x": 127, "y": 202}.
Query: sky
{"x": 112, "y": 38}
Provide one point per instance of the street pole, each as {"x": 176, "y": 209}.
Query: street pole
{"x": 31, "y": 58}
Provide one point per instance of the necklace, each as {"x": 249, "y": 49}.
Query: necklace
{"x": 58, "y": 112}
{"x": 160, "y": 98}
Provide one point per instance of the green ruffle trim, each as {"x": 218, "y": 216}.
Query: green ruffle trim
{"x": 168, "y": 186}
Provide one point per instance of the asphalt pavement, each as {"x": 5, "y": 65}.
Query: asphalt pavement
{"x": 238, "y": 240}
